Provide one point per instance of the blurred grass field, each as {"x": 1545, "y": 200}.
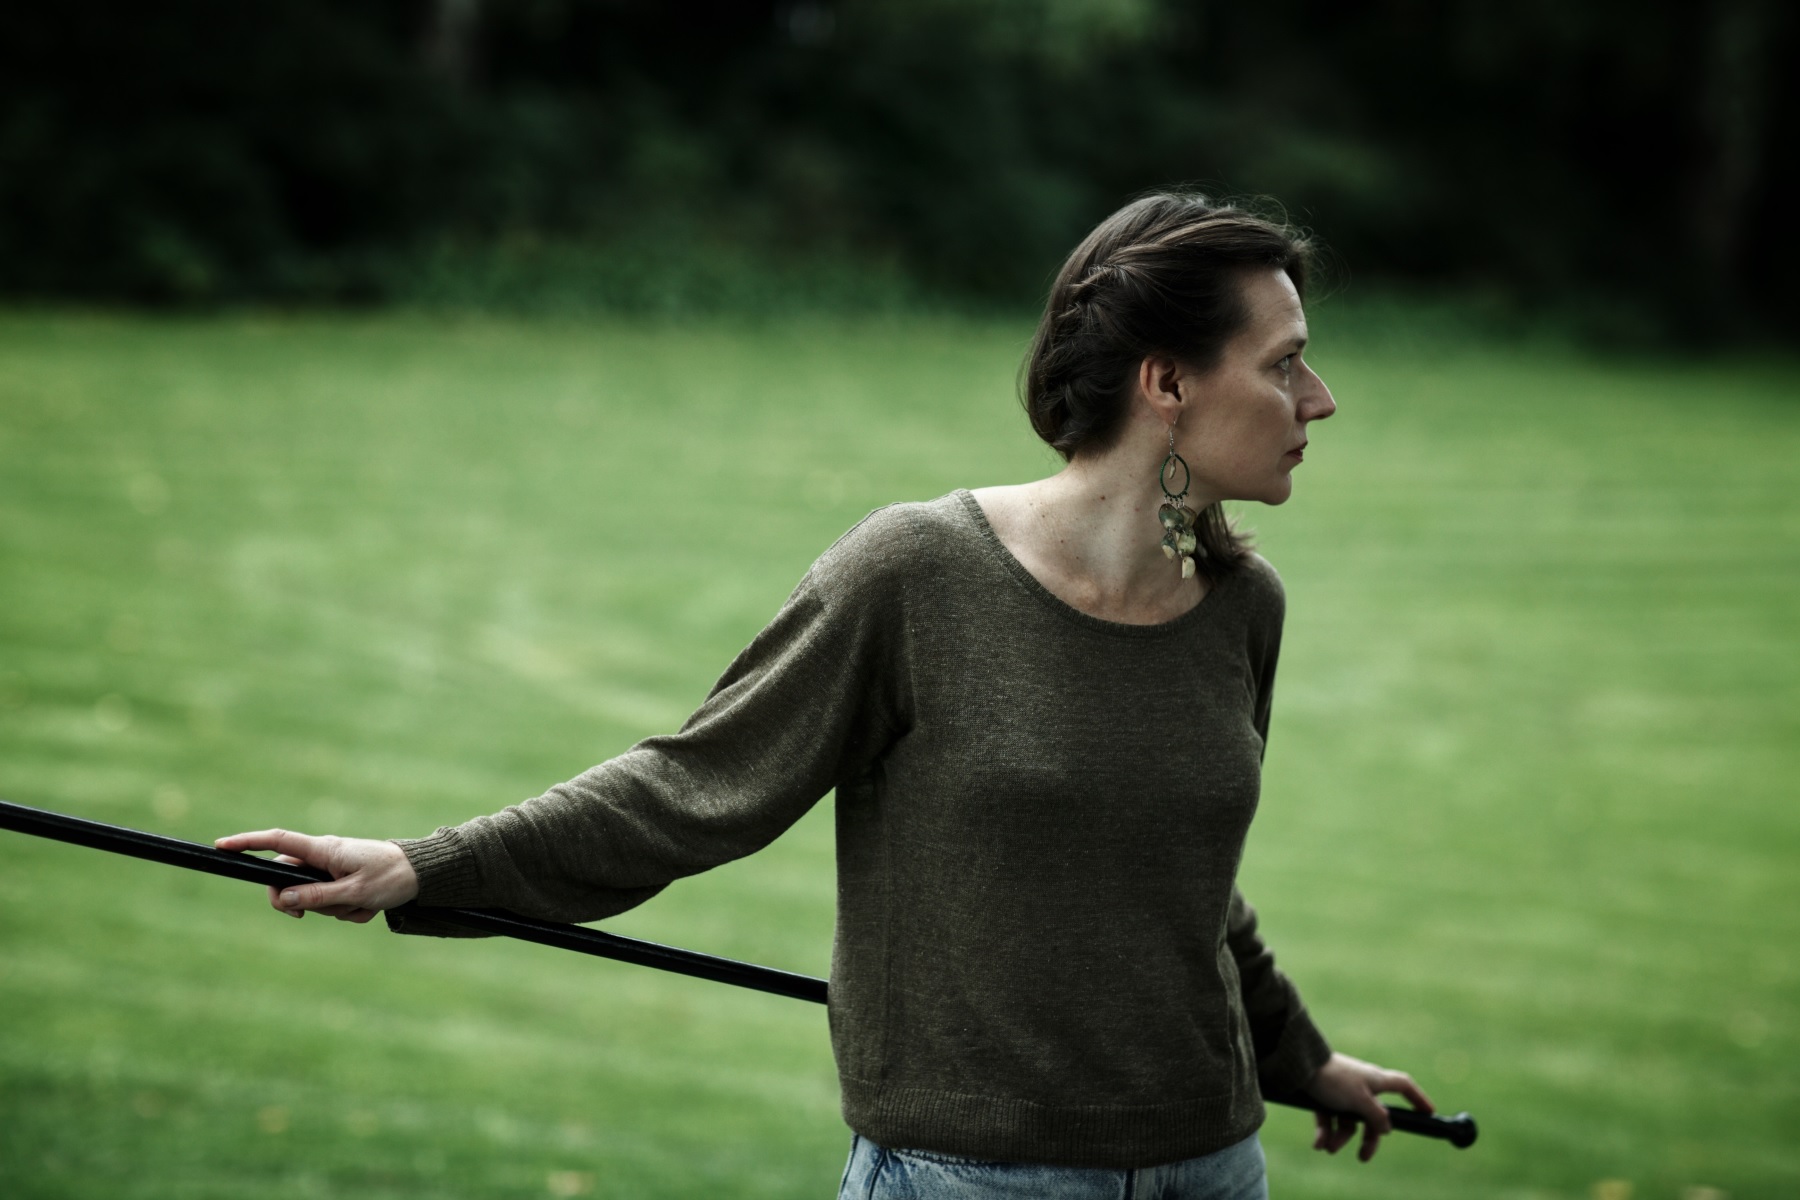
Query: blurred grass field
{"x": 1528, "y": 825}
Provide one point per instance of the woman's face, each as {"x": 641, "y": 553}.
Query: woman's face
{"x": 1244, "y": 422}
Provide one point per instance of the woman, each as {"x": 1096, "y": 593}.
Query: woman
{"x": 1043, "y": 709}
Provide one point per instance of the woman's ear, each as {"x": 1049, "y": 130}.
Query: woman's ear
{"x": 1159, "y": 386}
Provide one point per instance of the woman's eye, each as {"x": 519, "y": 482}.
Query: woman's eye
{"x": 1286, "y": 364}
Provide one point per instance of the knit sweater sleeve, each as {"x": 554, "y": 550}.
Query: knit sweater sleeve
{"x": 1289, "y": 1047}
{"x": 809, "y": 704}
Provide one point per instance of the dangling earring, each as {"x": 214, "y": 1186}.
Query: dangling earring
{"x": 1178, "y": 539}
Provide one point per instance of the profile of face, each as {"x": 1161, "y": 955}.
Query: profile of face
{"x": 1243, "y": 423}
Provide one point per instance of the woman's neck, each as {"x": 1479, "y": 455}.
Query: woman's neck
{"x": 1090, "y": 535}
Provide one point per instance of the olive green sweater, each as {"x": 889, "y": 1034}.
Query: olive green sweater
{"x": 1041, "y": 952}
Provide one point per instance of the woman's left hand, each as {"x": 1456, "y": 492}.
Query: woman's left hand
{"x": 1350, "y": 1085}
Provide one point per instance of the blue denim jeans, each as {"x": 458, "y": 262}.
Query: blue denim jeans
{"x": 877, "y": 1173}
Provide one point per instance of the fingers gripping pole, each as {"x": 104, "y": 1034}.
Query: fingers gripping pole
{"x": 1459, "y": 1130}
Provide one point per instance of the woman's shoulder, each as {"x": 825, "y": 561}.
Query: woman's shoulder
{"x": 1260, "y": 571}
{"x": 1258, "y": 579}
{"x": 897, "y": 541}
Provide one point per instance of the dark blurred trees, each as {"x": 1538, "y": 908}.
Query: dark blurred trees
{"x": 1625, "y": 158}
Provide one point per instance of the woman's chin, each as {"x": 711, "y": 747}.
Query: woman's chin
{"x": 1278, "y": 492}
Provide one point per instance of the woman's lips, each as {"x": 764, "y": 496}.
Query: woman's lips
{"x": 1296, "y": 454}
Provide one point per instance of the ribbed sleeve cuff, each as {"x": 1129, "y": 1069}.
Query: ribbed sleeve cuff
{"x": 1297, "y": 1057}
{"x": 448, "y": 878}
{"x": 445, "y": 864}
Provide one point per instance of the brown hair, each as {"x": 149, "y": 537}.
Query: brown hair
{"x": 1162, "y": 276}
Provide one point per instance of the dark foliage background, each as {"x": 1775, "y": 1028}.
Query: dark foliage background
{"x": 1626, "y": 162}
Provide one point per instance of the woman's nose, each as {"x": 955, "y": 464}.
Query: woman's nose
{"x": 1317, "y": 404}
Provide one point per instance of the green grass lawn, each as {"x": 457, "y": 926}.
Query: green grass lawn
{"x": 1528, "y": 825}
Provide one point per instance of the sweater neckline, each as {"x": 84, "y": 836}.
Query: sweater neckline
{"x": 1061, "y": 607}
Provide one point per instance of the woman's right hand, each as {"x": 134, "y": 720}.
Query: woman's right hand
{"x": 366, "y": 876}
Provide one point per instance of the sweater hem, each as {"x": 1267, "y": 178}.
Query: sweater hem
{"x": 1007, "y": 1129}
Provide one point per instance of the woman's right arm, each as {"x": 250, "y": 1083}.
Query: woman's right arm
{"x": 812, "y": 702}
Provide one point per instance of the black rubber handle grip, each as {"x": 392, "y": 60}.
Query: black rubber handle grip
{"x": 1459, "y": 1130}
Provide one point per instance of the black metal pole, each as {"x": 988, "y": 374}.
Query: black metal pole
{"x": 1459, "y": 1130}
{"x": 98, "y": 835}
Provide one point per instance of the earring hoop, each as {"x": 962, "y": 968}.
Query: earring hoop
{"x": 1179, "y": 539}
{"x": 1172, "y": 461}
